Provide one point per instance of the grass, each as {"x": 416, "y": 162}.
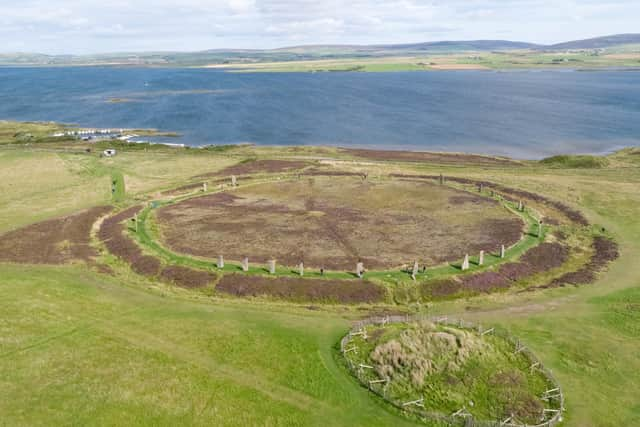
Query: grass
{"x": 583, "y": 161}
{"x": 519, "y": 59}
{"x": 80, "y": 347}
{"x": 117, "y": 186}
{"x": 149, "y": 236}
{"x": 452, "y": 368}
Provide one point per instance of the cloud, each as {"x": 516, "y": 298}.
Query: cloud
{"x": 86, "y": 26}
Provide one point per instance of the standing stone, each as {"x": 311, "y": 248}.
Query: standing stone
{"x": 441, "y": 179}
{"x": 502, "y": 251}
{"x": 481, "y": 258}
{"x": 301, "y": 269}
{"x": 480, "y": 188}
{"x": 520, "y": 205}
{"x": 539, "y": 228}
{"x": 414, "y": 271}
{"x": 272, "y": 266}
{"x": 204, "y": 187}
{"x": 245, "y": 264}
{"x": 360, "y": 269}
{"x": 220, "y": 261}
{"x": 234, "y": 181}
{"x": 465, "y": 263}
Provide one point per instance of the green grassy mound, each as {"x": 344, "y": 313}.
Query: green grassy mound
{"x": 433, "y": 370}
{"x": 573, "y": 162}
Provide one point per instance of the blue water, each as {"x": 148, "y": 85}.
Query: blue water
{"x": 521, "y": 114}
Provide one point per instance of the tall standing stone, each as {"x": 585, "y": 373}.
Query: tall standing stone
{"x": 220, "y": 261}
{"x": 272, "y": 266}
{"x": 520, "y": 205}
{"x": 204, "y": 187}
{"x": 301, "y": 269}
{"x": 245, "y": 264}
{"x": 539, "y": 228}
{"x": 480, "y": 188}
{"x": 465, "y": 263}
{"x": 360, "y": 269}
{"x": 481, "y": 258}
{"x": 414, "y": 271}
{"x": 441, "y": 179}
{"x": 502, "y": 251}
{"x": 234, "y": 181}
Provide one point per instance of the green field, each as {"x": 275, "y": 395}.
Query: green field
{"x": 80, "y": 347}
{"x": 505, "y": 60}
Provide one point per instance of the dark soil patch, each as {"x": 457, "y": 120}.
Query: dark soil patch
{"x": 187, "y": 277}
{"x": 292, "y": 289}
{"x": 421, "y": 156}
{"x": 56, "y": 241}
{"x": 259, "y": 166}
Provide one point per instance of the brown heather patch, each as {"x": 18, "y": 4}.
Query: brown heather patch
{"x": 299, "y": 290}
{"x": 538, "y": 259}
{"x": 605, "y": 251}
{"x": 112, "y": 234}
{"x": 330, "y": 172}
{"x": 55, "y": 241}
{"x": 335, "y": 225}
{"x": 484, "y": 282}
{"x": 543, "y": 257}
{"x": 431, "y": 157}
{"x": 511, "y": 194}
{"x": 186, "y": 277}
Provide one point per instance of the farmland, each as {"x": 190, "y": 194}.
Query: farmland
{"x": 87, "y": 338}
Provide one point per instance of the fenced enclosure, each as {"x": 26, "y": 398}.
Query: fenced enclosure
{"x": 552, "y": 412}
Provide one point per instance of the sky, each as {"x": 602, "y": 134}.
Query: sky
{"x": 99, "y": 26}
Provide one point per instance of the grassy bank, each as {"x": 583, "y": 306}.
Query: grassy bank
{"x": 82, "y": 347}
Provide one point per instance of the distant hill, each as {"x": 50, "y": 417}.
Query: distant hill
{"x": 309, "y": 52}
{"x": 598, "y": 42}
{"x": 467, "y": 45}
